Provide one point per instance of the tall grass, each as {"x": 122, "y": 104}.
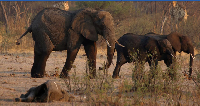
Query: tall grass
{"x": 148, "y": 86}
{"x": 17, "y": 24}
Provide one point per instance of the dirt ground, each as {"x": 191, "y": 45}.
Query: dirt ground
{"x": 15, "y": 78}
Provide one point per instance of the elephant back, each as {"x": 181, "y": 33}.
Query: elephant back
{"x": 51, "y": 26}
{"x": 133, "y": 44}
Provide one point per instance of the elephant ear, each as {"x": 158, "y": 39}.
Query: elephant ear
{"x": 164, "y": 44}
{"x": 174, "y": 39}
{"x": 83, "y": 24}
{"x": 152, "y": 46}
{"x": 186, "y": 44}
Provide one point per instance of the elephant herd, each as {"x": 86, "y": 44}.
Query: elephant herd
{"x": 56, "y": 30}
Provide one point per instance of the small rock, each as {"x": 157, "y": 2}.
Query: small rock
{"x": 101, "y": 56}
{"x": 34, "y": 80}
{"x": 46, "y": 75}
{"x": 12, "y": 74}
{"x": 5, "y": 82}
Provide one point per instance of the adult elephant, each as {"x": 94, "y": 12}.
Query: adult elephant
{"x": 56, "y": 30}
{"x": 179, "y": 43}
{"x": 142, "y": 48}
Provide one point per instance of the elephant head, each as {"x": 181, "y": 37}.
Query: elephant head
{"x": 162, "y": 46}
{"x": 166, "y": 47}
{"x": 182, "y": 43}
{"x": 89, "y": 23}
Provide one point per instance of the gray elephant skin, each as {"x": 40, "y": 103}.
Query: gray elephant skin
{"x": 142, "y": 48}
{"x": 179, "y": 43}
{"x": 47, "y": 92}
{"x": 56, "y": 30}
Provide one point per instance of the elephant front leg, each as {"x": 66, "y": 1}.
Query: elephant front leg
{"x": 71, "y": 55}
{"x": 171, "y": 63}
{"x": 91, "y": 52}
{"x": 38, "y": 68}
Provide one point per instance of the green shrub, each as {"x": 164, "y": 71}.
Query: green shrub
{"x": 93, "y": 4}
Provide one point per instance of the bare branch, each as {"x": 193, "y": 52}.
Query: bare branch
{"x": 5, "y": 16}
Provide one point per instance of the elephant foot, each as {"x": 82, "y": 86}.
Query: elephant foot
{"x": 92, "y": 76}
{"x": 116, "y": 76}
{"x": 37, "y": 75}
{"x": 189, "y": 77}
{"x": 64, "y": 75}
{"x": 101, "y": 68}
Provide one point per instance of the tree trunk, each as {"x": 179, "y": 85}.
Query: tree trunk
{"x": 163, "y": 23}
{"x": 5, "y": 16}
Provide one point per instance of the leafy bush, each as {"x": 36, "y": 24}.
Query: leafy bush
{"x": 119, "y": 10}
{"x": 93, "y": 4}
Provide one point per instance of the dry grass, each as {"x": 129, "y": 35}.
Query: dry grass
{"x": 15, "y": 79}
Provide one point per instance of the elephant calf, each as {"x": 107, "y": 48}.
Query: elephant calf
{"x": 179, "y": 43}
{"x": 46, "y": 92}
{"x": 146, "y": 49}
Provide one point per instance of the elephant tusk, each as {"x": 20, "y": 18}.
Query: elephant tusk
{"x": 108, "y": 43}
{"x": 119, "y": 44}
{"x": 172, "y": 55}
{"x": 56, "y": 85}
{"x": 192, "y": 56}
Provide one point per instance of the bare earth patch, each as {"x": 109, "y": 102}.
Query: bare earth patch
{"x": 15, "y": 77}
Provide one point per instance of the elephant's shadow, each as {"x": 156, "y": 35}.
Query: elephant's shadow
{"x": 14, "y": 74}
{"x": 7, "y": 100}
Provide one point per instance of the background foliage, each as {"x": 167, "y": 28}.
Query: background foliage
{"x": 137, "y": 17}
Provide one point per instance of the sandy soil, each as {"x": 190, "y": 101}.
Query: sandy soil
{"x": 15, "y": 74}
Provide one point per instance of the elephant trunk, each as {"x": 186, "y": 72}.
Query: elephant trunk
{"x": 29, "y": 98}
{"x": 191, "y": 60}
{"x": 109, "y": 36}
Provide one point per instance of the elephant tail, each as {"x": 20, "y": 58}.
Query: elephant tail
{"x": 28, "y": 30}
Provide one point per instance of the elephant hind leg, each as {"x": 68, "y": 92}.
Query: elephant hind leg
{"x": 91, "y": 52}
{"x": 38, "y": 68}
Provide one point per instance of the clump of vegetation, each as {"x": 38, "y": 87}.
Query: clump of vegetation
{"x": 152, "y": 86}
{"x": 93, "y": 4}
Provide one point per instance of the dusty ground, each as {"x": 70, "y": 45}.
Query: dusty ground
{"x": 15, "y": 74}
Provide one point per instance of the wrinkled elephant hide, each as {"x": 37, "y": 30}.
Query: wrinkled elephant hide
{"x": 46, "y": 92}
